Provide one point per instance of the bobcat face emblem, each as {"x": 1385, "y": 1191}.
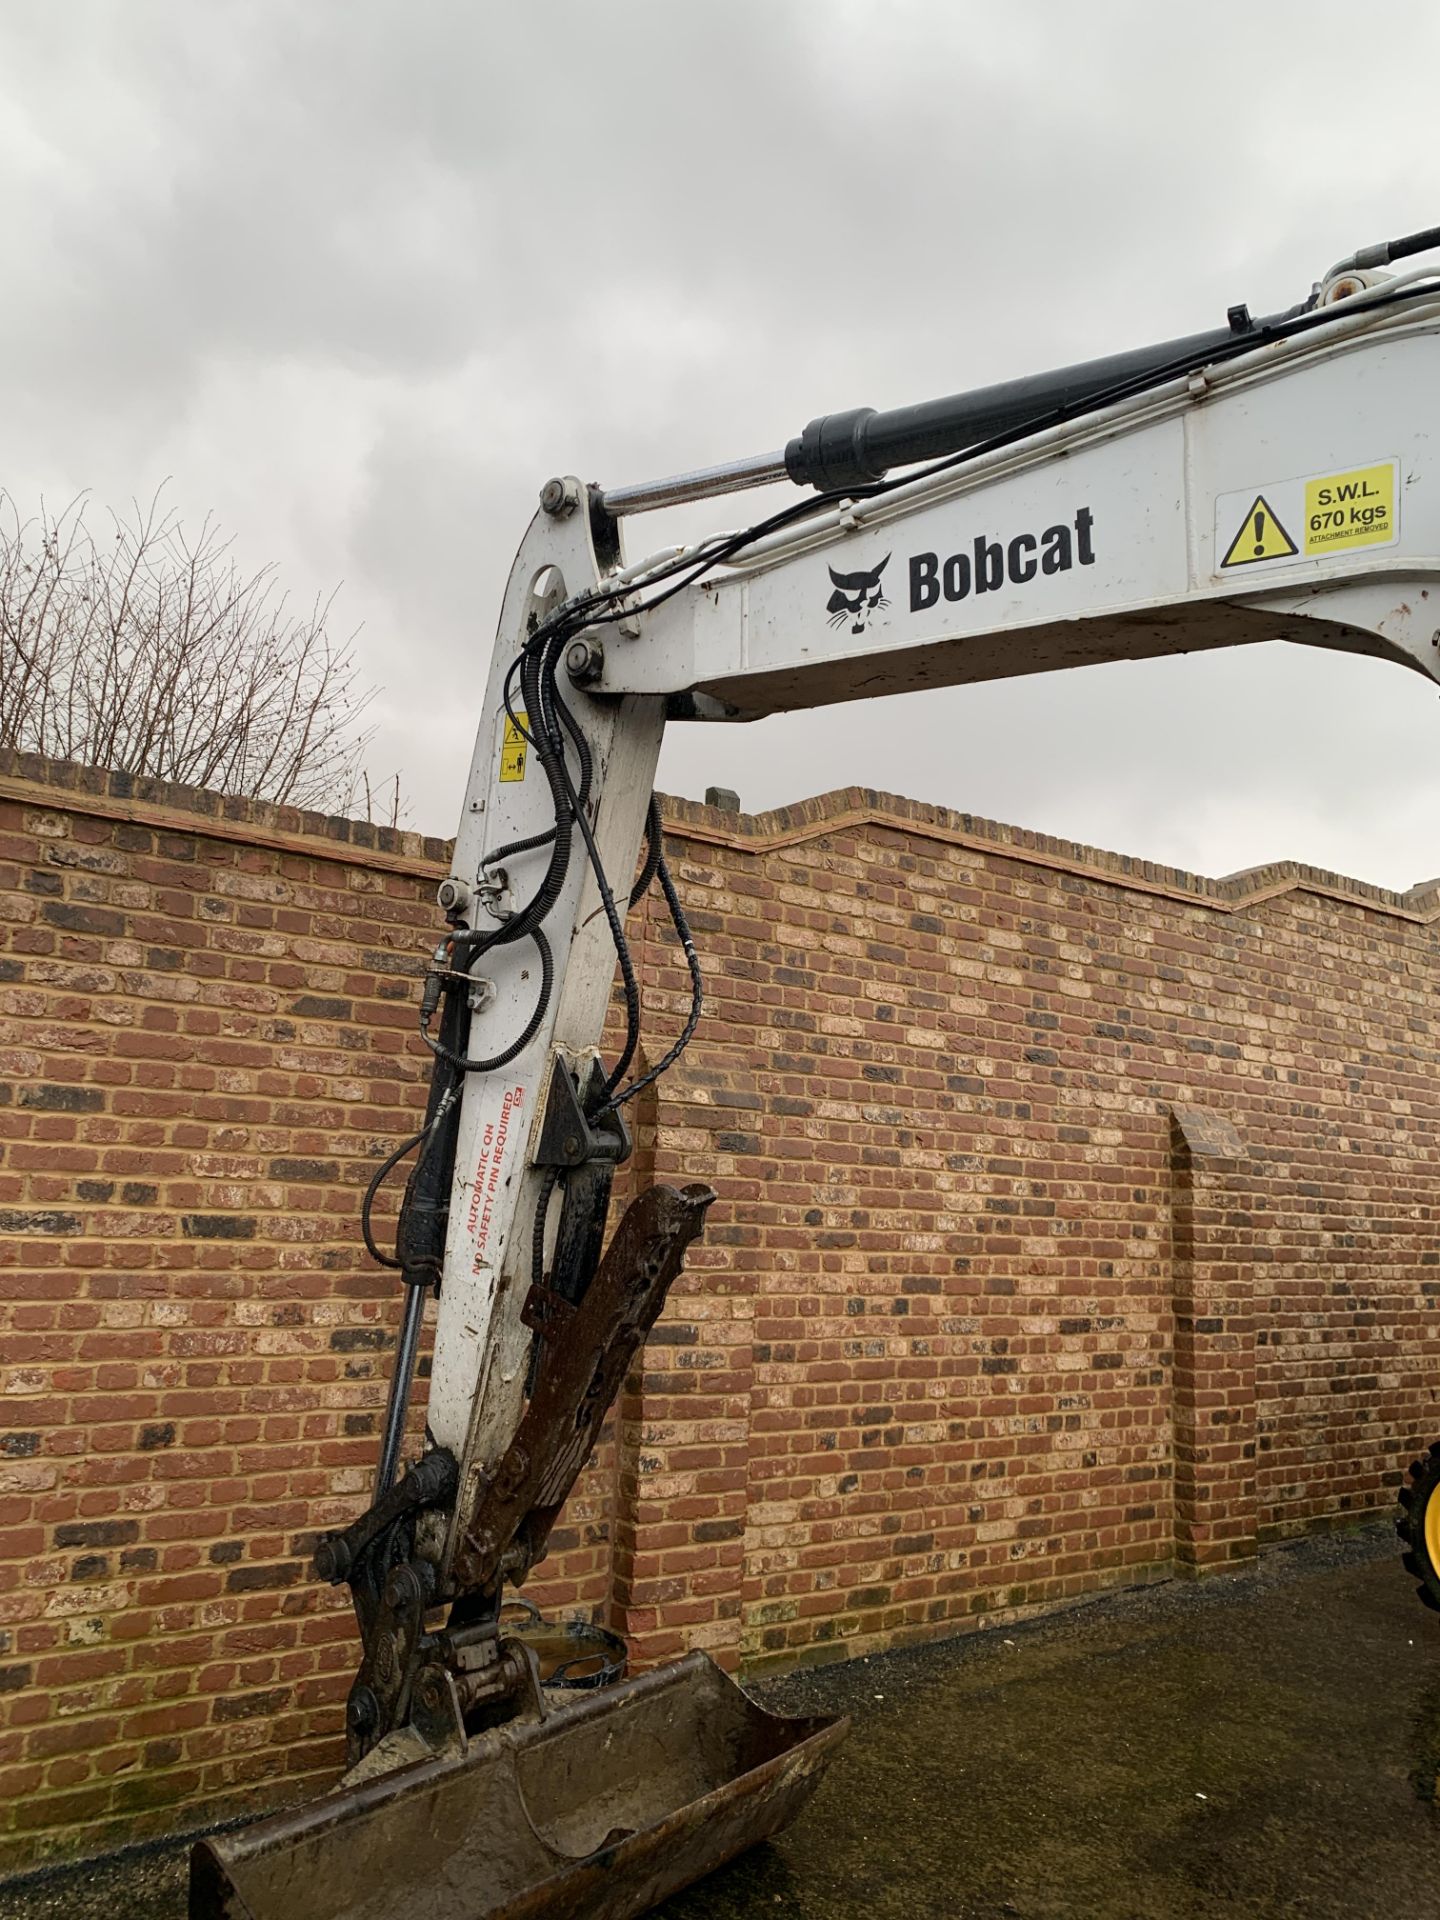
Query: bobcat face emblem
{"x": 856, "y": 597}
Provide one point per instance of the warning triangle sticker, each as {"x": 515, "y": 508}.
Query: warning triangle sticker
{"x": 1260, "y": 537}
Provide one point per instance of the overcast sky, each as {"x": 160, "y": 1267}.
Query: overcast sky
{"x": 358, "y": 277}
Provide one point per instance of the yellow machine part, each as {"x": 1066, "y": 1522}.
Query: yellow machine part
{"x": 1418, "y": 1525}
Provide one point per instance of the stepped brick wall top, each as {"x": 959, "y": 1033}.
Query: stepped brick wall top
{"x": 1076, "y": 1228}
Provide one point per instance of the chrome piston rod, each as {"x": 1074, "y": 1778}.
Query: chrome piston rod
{"x": 733, "y": 476}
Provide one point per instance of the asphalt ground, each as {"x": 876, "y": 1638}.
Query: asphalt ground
{"x": 1255, "y": 1746}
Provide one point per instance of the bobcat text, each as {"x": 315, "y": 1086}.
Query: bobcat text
{"x": 987, "y": 565}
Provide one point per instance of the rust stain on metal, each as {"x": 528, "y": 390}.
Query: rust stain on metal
{"x": 588, "y": 1349}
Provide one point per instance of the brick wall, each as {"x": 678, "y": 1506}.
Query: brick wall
{"x": 1075, "y": 1227}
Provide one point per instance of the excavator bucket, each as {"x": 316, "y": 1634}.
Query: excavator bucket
{"x": 596, "y": 1812}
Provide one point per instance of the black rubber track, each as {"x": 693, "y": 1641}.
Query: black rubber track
{"x": 1422, "y": 1487}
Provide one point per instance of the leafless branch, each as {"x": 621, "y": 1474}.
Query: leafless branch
{"x": 154, "y": 653}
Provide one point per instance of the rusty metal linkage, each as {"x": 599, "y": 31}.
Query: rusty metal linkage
{"x": 587, "y": 1348}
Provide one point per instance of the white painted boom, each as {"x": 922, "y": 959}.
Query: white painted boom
{"x": 1289, "y": 493}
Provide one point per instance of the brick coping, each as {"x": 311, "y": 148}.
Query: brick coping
{"x": 846, "y": 809}
{"x": 34, "y": 780}
{"x": 103, "y": 794}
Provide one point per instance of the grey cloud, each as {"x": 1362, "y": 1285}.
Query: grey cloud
{"x": 505, "y": 240}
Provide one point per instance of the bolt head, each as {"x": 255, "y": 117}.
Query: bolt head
{"x": 558, "y": 499}
{"x": 332, "y": 1559}
{"x": 362, "y": 1710}
{"x": 584, "y": 660}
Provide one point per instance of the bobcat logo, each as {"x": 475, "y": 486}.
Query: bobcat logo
{"x": 856, "y": 597}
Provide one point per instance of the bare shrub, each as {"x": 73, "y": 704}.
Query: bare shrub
{"x": 154, "y": 653}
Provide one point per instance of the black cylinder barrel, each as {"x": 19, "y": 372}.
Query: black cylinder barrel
{"x": 851, "y": 449}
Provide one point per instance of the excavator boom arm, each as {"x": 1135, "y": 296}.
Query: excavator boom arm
{"x": 1286, "y": 492}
